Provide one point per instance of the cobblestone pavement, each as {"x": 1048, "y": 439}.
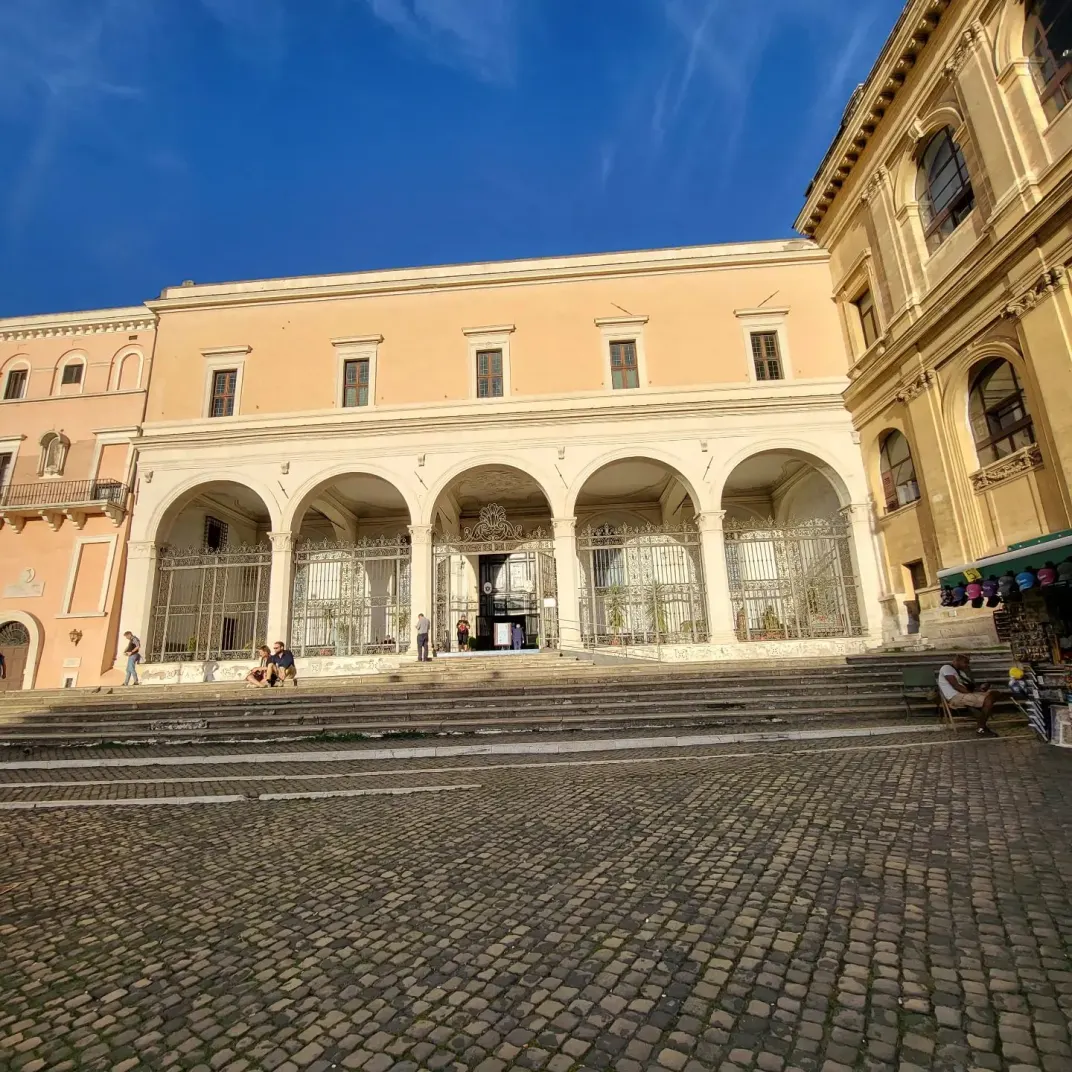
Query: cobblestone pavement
{"x": 879, "y": 907}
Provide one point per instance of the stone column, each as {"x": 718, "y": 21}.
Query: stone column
{"x": 716, "y": 578}
{"x": 420, "y": 582}
{"x": 863, "y": 555}
{"x": 139, "y": 583}
{"x": 566, "y": 580}
{"x": 281, "y": 588}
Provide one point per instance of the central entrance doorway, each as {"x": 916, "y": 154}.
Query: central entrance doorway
{"x": 496, "y": 576}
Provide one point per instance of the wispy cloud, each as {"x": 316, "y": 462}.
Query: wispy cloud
{"x": 479, "y": 36}
{"x": 717, "y": 52}
{"x": 65, "y": 63}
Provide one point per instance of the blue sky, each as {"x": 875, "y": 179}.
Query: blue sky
{"x": 150, "y": 141}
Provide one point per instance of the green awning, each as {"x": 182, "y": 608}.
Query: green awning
{"x": 1037, "y": 552}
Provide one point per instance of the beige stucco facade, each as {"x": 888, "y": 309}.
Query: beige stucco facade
{"x": 961, "y": 280}
{"x": 67, "y": 459}
{"x": 561, "y": 450}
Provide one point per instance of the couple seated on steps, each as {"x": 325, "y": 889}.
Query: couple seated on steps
{"x": 276, "y": 667}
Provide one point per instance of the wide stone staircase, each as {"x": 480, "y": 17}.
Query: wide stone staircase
{"x": 527, "y": 693}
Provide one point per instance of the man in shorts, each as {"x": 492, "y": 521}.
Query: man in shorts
{"x": 961, "y": 693}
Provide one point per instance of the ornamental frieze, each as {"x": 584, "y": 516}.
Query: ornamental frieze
{"x": 1023, "y": 461}
{"x": 1053, "y": 279}
{"x": 914, "y": 388}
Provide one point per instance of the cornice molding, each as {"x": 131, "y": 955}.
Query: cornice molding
{"x": 488, "y": 275}
{"x": 869, "y": 105}
{"x": 65, "y": 325}
{"x": 819, "y": 397}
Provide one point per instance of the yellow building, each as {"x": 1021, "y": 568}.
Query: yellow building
{"x": 944, "y": 203}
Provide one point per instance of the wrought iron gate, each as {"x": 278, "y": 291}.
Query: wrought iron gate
{"x": 351, "y": 599}
{"x": 494, "y": 570}
{"x": 792, "y": 582}
{"x": 641, "y": 585}
{"x": 210, "y": 605}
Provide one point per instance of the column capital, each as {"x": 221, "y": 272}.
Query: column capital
{"x": 857, "y": 513}
{"x": 420, "y": 535}
{"x": 564, "y": 527}
{"x": 282, "y": 541}
{"x": 711, "y": 520}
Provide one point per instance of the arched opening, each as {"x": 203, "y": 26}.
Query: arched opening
{"x": 789, "y": 555}
{"x": 128, "y": 377}
{"x": 15, "y": 648}
{"x": 641, "y": 574}
{"x": 213, "y": 571}
{"x": 70, "y": 374}
{"x": 352, "y": 569}
{"x": 997, "y": 410}
{"x": 943, "y": 187}
{"x": 15, "y": 379}
{"x": 493, "y": 563}
{"x": 898, "y": 471}
{"x": 1048, "y": 46}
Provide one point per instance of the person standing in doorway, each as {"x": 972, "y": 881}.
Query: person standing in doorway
{"x": 517, "y": 636}
{"x": 423, "y": 626}
{"x": 133, "y": 654}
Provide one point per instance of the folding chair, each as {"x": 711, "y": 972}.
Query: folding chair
{"x": 919, "y": 683}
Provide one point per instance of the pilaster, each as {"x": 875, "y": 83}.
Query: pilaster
{"x": 566, "y": 579}
{"x": 420, "y": 585}
{"x": 720, "y": 625}
{"x": 280, "y": 589}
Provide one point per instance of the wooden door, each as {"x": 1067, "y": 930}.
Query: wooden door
{"x": 15, "y": 647}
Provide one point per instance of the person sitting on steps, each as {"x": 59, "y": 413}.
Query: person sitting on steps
{"x": 282, "y": 658}
{"x": 260, "y": 677}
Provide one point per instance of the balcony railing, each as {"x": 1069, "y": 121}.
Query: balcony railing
{"x": 63, "y": 494}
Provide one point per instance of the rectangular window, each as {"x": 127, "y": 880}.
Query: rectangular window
{"x": 865, "y": 307}
{"x": 5, "y": 467}
{"x": 224, "y": 382}
{"x": 215, "y": 534}
{"x": 72, "y": 373}
{"x": 623, "y": 365}
{"x": 15, "y": 387}
{"x": 765, "y": 355}
{"x": 489, "y": 374}
{"x": 355, "y": 382}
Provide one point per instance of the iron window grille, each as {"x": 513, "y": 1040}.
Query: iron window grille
{"x": 216, "y": 534}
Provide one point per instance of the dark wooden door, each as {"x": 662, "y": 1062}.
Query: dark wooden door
{"x": 15, "y": 647}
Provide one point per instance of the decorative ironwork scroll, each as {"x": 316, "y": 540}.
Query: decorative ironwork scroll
{"x": 210, "y": 605}
{"x": 792, "y": 582}
{"x": 351, "y": 598}
{"x": 641, "y": 585}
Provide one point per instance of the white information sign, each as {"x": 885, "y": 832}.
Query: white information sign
{"x": 502, "y": 634}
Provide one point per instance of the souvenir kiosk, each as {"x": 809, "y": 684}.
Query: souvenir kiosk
{"x": 1029, "y": 589}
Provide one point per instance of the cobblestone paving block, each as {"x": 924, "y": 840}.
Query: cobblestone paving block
{"x": 871, "y": 908}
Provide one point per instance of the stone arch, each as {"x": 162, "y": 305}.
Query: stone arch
{"x": 120, "y": 377}
{"x": 1009, "y": 35}
{"x": 155, "y": 525}
{"x": 300, "y": 501}
{"x": 849, "y": 488}
{"x": 677, "y": 465}
{"x": 906, "y": 170}
{"x": 525, "y": 466}
{"x": 955, "y": 398}
{"x": 13, "y": 364}
{"x": 33, "y": 656}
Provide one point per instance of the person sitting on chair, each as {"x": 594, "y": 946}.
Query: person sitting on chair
{"x": 961, "y": 693}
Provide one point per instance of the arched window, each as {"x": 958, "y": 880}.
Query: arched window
{"x": 944, "y": 187}
{"x": 1000, "y": 421}
{"x": 899, "y": 487}
{"x": 53, "y": 454}
{"x": 1048, "y": 45}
